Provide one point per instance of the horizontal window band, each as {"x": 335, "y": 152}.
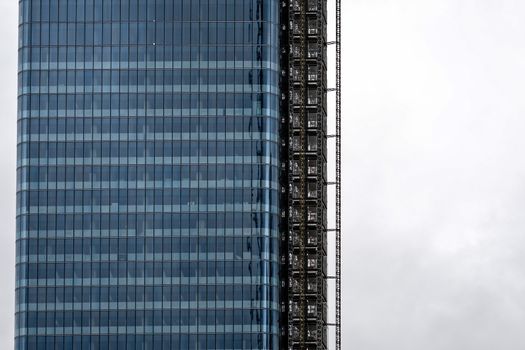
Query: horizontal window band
{"x": 71, "y": 161}
{"x": 146, "y": 185}
{"x": 134, "y": 209}
{"x": 96, "y": 233}
{"x": 149, "y": 64}
{"x": 144, "y": 330}
{"x": 113, "y": 113}
{"x": 150, "y": 281}
{"x": 217, "y": 304}
{"x": 150, "y": 89}
{"x": 175, "y": 257}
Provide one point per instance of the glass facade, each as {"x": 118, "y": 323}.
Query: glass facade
{"x": 147, "y": 179}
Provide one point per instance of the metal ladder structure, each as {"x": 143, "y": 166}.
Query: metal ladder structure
{"x": 338, "y": 174}
{"x": 304, "y": 136}
{"x": 337, "y": 136}
{"x": 304, "y": 296}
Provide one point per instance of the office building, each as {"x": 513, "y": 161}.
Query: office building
{"x": 171, "y": 179}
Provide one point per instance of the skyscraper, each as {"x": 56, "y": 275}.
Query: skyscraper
{"x": 171, "y": 180}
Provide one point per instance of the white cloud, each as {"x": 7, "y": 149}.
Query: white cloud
{"x": 435, "y": 192}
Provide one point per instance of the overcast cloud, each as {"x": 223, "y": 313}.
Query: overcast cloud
{"x": 434, "y": 198}
{"x": 434, "y": 174}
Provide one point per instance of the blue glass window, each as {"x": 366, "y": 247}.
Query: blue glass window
{"x": 147, "y": 202}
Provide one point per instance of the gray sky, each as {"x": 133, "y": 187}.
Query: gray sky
{"x": 434, "y": 174}
{"x": 434, "y": 195}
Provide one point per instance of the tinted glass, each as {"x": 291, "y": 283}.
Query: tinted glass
{"x": 147, "y": 205}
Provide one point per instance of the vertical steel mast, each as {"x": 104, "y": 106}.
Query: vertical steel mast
{"x": 336, "y": 324}
{"x": 338, "y": 175}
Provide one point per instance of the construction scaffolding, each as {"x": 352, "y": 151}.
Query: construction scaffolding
{"x": 304, "y": 298}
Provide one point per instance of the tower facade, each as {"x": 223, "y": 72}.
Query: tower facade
{"x": 171, "y": 178}
{"x": 148, "y": 159}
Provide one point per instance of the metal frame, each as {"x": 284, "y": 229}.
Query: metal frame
{"x": 303, "y": 143}
{"x": 338, "y": 176}
{"x": 337, "y": 182}
{"x": 303, "y": 221}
